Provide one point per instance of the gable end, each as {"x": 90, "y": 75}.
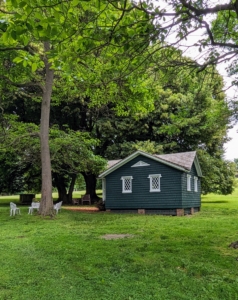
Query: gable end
{"x": 140, "y": 164}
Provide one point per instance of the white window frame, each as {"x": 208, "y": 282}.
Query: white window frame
{"x": 195, "y": 184}
{"x": 124, "y": 179}
{"x": 188, "y": 182}
{"x": 151, "y": 177}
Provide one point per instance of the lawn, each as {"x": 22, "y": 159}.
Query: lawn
{"x": 164, "y": 258}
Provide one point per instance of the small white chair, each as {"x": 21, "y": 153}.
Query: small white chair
{"x": 35, "y": 205}
{"x": 14, "y": 209}
{"x": 57, "y": 206}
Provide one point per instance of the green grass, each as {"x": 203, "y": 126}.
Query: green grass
{"x": 5, "y": 200}
{"x": 168, "y": 257}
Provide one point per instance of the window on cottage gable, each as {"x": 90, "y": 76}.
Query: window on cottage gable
{"x": 127, "y": 184}
{"x": 154, "y": 182}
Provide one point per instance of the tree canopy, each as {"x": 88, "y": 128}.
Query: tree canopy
{"x": 177, "y": 21}
{"x": 110, "y": 64}
{"x": 46, "y": 38}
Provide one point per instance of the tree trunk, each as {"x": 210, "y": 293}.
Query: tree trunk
{"x": 71, "y": 187}
{"x": 91, "y": 181}
{"x": 60, "y": 184}
{"x": 46, "y": 205}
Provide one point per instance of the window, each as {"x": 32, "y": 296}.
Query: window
{"x": 127, "y": 184}
{"x": 195, "y": 184}
{"x": 154, "y": 182}
{"x": 188, "y": 182}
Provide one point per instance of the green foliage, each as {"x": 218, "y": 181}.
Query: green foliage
{"x": 236, "y": 163}
{"x": 71, "y": 153}
{"x": 68, "y": 254}
{"x": 88, "y": 40}
{"x": 218, "y": 175}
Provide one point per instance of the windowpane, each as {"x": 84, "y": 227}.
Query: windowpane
{"x": 127, "y": 184}
{"x": 195, "y": 184}
{"x": 188, "y": 182}
{"x": 154, "y": 182}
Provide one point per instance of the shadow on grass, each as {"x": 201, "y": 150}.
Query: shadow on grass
{"x": 218, "y": 201}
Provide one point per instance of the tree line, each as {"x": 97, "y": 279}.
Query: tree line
{"x": 82, "y": 83}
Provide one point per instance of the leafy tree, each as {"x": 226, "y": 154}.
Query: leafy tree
{"x": 236, "y": 163}
{"x": 218, "y": 174}
{"x": 190, "y": 113}
{"x": 71, "y": 153}
{"x": 181, "y": 19}
{"x": 47, "y": 37}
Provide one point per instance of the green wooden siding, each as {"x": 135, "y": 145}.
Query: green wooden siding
{"x": 191, "y": 198}
{"x": 170, "y": 195}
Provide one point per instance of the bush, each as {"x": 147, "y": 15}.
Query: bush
{"x": 100, "y": 205}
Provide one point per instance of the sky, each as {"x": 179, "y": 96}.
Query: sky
{"x": 232, "y": 146}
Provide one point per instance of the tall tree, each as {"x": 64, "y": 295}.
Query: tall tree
{"x": 190, "y": 113}
{"x": 47, "y": 37}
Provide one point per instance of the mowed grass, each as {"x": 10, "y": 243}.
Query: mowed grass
{"x": 166, "y": 258}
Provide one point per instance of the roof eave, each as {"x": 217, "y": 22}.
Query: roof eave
{"x": 197, "y": 166}
{"x": 135, "y": 154}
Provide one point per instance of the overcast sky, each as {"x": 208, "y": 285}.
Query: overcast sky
{"x": 232, "y": 146}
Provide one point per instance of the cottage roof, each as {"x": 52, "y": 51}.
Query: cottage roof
{"x": 182, "y": 161}
{"x": 111, "y": 163}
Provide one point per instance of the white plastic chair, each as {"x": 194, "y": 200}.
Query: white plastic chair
{"x": 35, "y": 205}
{"x": 14, "y": 209}
{"x": 57, "y": 206}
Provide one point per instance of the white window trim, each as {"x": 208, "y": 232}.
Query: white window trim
{"x": 195, "y": 184}
{"x": 151, "y": 178}
{"x": 188, "y": 183}
{"x": 123, "y": 184}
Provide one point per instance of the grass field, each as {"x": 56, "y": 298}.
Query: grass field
{"x": 164, "y": 258}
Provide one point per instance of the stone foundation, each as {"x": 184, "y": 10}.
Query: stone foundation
{"x": 179, "y": 212}
{"x": 169, "y": 212}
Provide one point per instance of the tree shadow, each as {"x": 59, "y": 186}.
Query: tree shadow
{"x": 218, "y": 201}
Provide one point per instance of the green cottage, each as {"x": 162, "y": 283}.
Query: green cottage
{"x": 167, "y": 184}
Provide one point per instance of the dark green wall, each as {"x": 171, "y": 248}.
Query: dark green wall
{"x": 191, "y": 198}
{"x": 173, "y": 184}
{"x": 170, "y": 195}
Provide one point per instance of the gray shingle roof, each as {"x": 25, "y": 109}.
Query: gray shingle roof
{"x": 111, "y": 163}
{"x": 182, "y": 159}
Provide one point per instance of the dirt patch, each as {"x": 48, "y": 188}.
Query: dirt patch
{"x": 234, "y": 245}
{"x": 116, "y": 236}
